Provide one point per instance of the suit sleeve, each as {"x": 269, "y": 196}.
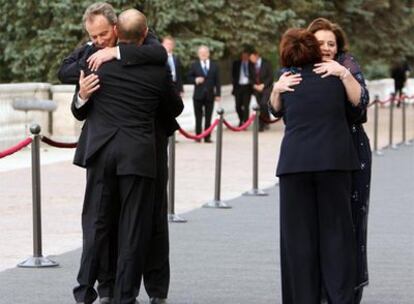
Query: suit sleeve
{"x": 235, "y": 74}
{"x": 179, "y": 75}
{"x": 217, "y": 83}
{"x": 82, "y": 112}
{"x": 151, "y": 52}
{"x": 268, "y": 76}
{"x": 71, "y": 66}
{"x": 171, "y": 101}
{"x": 191, "y": 76}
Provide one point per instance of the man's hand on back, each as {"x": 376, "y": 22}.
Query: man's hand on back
{"x": 87, "y": 85}
{"x": 101, "y": 56}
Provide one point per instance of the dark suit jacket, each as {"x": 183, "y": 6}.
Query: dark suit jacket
{"x": 317, "y": 137}
{"x": 151, "y": 52}
{"x": 235, "y": 73}
{"x": 178, "y": 74}
{"x": 211, "y": 86}
{"x": 265, "y": 73}
{"x": 123, "y": 110}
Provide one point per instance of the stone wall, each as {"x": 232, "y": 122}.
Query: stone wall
{"x": 13, "y": 124}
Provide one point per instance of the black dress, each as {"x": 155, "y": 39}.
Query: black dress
{"x": 361, "y": 179}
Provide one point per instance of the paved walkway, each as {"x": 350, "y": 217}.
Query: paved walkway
{"x": 231, "y": 256}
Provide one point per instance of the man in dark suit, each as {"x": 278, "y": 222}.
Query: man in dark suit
{"x": 243, "y": 78}
{"x": 204, "y": 73}
{"x": 174, "y": 63}
{"x": 87, "y": 143}
{"x": 263, "y": 82}
{"x": 399, "y": 73}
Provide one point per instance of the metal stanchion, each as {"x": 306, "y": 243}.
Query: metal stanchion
{"x": 37, "y": 260}
{"x": 404, "y": 121}
{"x": 255, "y": 191}
{"x": 217, "y": 203}
{"x": 376, "y": 116}
{"x": 172, "y": 217}
{"x": 391, "y": 131}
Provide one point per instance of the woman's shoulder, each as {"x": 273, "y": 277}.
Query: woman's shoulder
{"x": 349, "y": 61}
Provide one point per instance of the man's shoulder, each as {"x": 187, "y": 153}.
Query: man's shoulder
{"x": 84, "y": 49}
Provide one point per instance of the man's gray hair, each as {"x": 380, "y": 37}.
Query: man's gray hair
{"x": 100, "y": 8}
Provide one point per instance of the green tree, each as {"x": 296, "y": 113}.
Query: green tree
{"x": 38, "y": 34}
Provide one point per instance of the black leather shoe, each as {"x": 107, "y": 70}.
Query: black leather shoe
{"x": 158, "y": 301}
{"x": 208, "y": 140}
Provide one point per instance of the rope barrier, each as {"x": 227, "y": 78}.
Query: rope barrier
{"x": 15, "y": 148}
{"x": 401, "y": 98}
{"x": 202, "y": 135}
{"x": 56, "y": 144}
{"x": 243, "y": 126}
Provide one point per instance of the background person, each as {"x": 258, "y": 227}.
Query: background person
{"x": 400, "y": 71}
{"x": 174, "y": 63}
{"x": 316, "y": 159}
{"x": 263, "y": 77}
{"x": 243, "y": 78}
{"x": 204, "y": 74}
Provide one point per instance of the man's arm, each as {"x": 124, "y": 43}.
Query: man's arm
{"x": 179, "y": 75}
{"x": 150, "y": 52}
{"x": 217, "y": 83}
{"x": 268, "y": 77}
{"x": 80, "y": 112}
{"x": 146, "y": 54}
{"x": 69, "y": 70}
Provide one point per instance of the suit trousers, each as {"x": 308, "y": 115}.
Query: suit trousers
{"x": 205, "y": 105}
{"x": 117, "y": 225}
{"x": 264, "y": 109}
{"x": 157, "y": 268}
{"x": 243, "y": 94}
{"x": 317, "y": 240}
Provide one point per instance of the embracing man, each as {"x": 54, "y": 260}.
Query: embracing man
{"x": 129, "y": 106}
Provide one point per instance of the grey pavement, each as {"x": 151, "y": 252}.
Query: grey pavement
{"x": 232, "y": 256}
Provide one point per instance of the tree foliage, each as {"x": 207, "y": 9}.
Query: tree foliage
{"x": 37, "y": 34}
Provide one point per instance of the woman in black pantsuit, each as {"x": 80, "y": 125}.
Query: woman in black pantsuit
{"x": 316, "y": 159}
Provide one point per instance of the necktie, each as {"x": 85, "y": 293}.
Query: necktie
{"x": 245, "y": 70}
{"x": 205, "y": 69}
{"x": 172, "y": 67}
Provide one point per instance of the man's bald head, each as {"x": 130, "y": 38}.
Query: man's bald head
{"x": 132, "y": 26}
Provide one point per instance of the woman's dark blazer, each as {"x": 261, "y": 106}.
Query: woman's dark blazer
{"x": 317, "y": 136}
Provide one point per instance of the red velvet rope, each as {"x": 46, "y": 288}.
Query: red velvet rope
{"x": 243, "y": 126}
{"x": 14, "y": 149}
{"x": 396, "y": 99}
{"x": 202, "y": 135}
{"x": 58, "y": 144}
{"x": 269, "y": 121}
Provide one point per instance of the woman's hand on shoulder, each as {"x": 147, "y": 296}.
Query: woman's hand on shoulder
{"x": 286, "y": 81}
{"x": 330, "y": 68}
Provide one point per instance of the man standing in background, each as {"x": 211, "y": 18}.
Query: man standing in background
{"x": 204, "y": 73}
{"x": 243, "y": 74}
{"x": 174, "y": 63}
{"x": 263, "y": 82}
{"x": 399, "y": 72}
